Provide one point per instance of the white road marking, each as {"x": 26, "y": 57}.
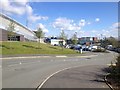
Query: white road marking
{"x": 111, "y": 64}
{"x": 61, "y": 56}
{"x": 25, "y": 57}
{"x": 40, "y": 86}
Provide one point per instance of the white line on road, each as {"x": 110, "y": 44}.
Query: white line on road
{"x": 25, "y": 57}
{"x": 40, "y": 86}
{"x": 61, "y": 56}
{"x": 111, "y": 64}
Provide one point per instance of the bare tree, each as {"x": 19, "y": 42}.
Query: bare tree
{"x": 63, "y": 37}
{"x": 74, "y": 38}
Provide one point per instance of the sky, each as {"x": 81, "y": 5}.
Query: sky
{"x": 99, "y": 19}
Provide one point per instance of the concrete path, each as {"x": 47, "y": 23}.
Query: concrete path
{"x": 82, "y": 77}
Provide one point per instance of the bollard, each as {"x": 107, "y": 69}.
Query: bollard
{"x": 81, "y": 51}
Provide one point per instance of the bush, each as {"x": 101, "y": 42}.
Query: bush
{"x": 114, "y": 76}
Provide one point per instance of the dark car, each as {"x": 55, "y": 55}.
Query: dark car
{"x": 118, "y": 50}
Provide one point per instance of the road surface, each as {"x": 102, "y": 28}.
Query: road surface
{"x": 31, "y": 72}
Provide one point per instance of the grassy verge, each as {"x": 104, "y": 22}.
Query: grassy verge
{"x": 114, "y": 76}
{"x": 12, "y": 48}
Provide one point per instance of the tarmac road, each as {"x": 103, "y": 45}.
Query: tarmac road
{"x": 30, "y": 72}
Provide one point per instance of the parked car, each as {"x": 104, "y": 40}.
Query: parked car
{"x": 109, "y": 47}
{"x": 118, "y": 50}
{"x": 92, "y": 48}
{"x": 85, "y": 48}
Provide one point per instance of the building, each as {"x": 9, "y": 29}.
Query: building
{"x": 5, "y": 37}
{"x": 87, "y": 40}
{"x": 57, "y": 42}
{"x": 22, "y": 33}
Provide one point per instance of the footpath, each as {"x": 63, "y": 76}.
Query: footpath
{"x": 86, "y": 77}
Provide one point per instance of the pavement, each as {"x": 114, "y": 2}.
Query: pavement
{"x": 32, "y": 71}
{"x": 81, "y": 77}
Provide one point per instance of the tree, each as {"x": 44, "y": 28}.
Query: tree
{"x": 11, "y": 34}
{"x": 110, "y": 41}
{"x": 113, "y": 41}
{"x": 39, "y": 34}
{"x": 74, "y": 38}
{"x": 63, "y": 37}
{"x": 11, "y": 29}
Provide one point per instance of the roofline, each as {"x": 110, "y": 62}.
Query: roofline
{"x": 9, "y": 18}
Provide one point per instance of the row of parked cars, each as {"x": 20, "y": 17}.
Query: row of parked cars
{"x": 111, "y": 48}
{"x": 83, "y": 47}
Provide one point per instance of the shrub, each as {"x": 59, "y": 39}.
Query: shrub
{"x": 114, "y": 76}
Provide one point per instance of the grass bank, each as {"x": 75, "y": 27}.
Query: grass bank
{"x": 12, "y": 48}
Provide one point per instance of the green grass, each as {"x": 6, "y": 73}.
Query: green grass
{"x": 12, "y": 48}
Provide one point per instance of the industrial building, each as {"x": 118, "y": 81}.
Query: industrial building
{"x": 21, "y": 32}
{"x": 87, "y": 40}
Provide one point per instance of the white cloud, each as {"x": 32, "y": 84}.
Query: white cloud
{"x": 63, "y": 23}
{"x": 20, "y": 8}
{"x": 97, "y": 19}
{"x": 33, "y": 17}
{"x": 93, "y": 31}
{"x": 116, "y": 26}
{"x": 82, "y": 22}
{"x": 11, "y": 7}
{"x": 89, "y": 23}
{"x": 29, "y": 10}
{"x": 40, "y": 25}
{"x": 110, "y": 31}
{"x": 21, "y": 3}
